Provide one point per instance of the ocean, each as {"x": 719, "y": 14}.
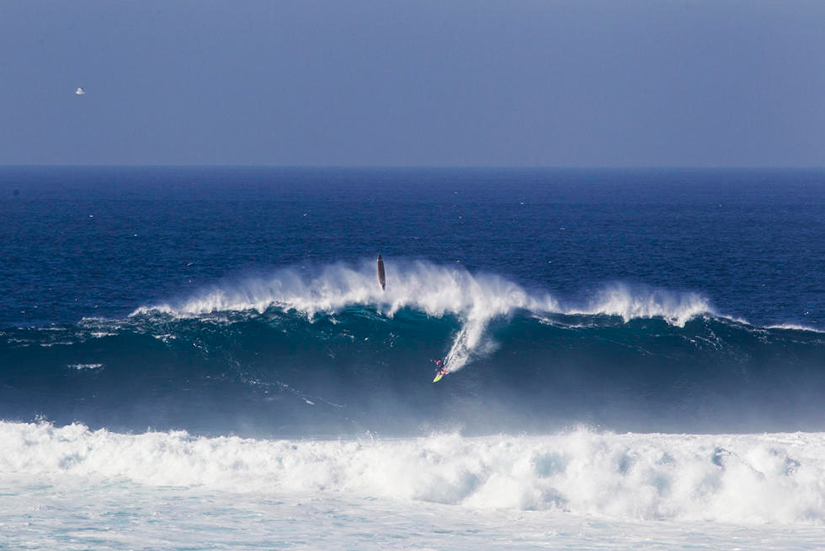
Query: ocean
{"x": 202, "y": 358}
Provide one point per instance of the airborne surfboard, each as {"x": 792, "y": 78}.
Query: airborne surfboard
{"x": 440, "y": 375}
{"x": 382, "y": 280}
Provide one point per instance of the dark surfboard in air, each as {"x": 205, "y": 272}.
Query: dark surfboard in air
{"x": 382, "y": 280}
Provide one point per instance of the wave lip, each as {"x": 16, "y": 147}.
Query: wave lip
{"x": 795, "y": 327}
{"x": 432, "y": 289}
{"x": 635, "y": 302}
{"x": 768, "y": 478}
{"x": 429, "y": 288}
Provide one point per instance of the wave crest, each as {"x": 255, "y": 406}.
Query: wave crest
{"x": 629, "y": 302}
{"x": 435, "y": 290}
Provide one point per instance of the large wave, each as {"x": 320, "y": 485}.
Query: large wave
{"x": 435, "y": 290}
{"x": 733, "y": 478}
{"x": 328, "y": 352}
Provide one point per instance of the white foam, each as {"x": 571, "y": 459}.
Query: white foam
{"x": 423, "y": 286}
{"x": 81, "y": 367}
{"x": 769, "y": 478}
{"x": 795, "y": 327}
{"x": 642, "y": 302}
{"x": 430, "y": 288}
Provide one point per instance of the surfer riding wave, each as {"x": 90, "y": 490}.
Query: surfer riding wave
{"x": 440, "y": 370}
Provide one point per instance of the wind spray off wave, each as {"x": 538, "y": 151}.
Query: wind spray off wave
{"x": 435, "y": 290}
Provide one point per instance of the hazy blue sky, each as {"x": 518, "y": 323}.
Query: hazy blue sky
{"x": 394, "y": 82}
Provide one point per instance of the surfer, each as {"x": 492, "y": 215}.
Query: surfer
{"x": 440, "y": 370}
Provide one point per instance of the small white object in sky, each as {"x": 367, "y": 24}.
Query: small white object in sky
{"x": 80, "y": 91}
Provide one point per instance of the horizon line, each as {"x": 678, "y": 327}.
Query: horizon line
{"x": 417, "y": 166}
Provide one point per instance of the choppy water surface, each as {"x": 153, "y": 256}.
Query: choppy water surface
{"x": 205, "y": 356}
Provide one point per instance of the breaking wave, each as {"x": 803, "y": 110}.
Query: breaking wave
{"x": 435, "y": 290}
{"x": 329, "y": 353}
{"x": 767, "y": 478}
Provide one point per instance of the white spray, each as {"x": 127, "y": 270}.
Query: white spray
{"x": 434, "y": 289}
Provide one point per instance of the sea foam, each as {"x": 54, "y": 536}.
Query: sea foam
{"x": 731, "y": 478}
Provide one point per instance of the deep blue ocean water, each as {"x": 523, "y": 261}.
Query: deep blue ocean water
{"x": 244, "y": 300}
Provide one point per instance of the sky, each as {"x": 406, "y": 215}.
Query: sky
{"x": 573, "y": 83}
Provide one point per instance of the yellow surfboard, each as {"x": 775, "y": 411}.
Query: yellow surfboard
{"x": 438, "y": 377}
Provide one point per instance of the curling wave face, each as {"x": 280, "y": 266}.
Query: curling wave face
{"x": 767, "y": 478}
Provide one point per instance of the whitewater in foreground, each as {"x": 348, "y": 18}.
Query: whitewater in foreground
{"x": 72, "y": 487}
